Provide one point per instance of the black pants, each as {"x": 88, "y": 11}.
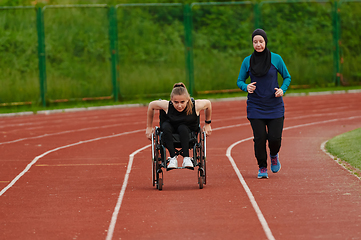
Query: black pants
{"x": 263, "y": 130}
{"x": 167, "y": 138}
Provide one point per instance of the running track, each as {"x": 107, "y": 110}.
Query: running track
{"x": 87, "y": 175}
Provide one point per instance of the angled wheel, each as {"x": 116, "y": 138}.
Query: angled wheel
{"x": 157, "y": 175}
{"x": 160, "y": 184}
{"x": 154, "y": 169}
{"x": 158, "y": 169}
{"x": 203, "y": 159}
{"x": 154, "y": 159}
{"x": 200, "y": 179}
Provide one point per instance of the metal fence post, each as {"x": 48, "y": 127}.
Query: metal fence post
{"x": 41, "y": 54}
{"x": 113, "y": 37}
{"x": 336, "y": 40}
{"x": 257, "y": 16}
{"x": 189, "y": 47}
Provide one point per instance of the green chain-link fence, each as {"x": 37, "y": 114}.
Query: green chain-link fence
{"x": 58, "y": 53}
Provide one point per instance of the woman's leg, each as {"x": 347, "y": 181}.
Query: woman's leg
{"x": 275, "y": 128}
{"x": 260, "y": 138}
{"x": 167, "y": 138}
{"x": 183, "y": 132}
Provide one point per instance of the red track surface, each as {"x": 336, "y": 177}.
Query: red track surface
{"x": 62, "y": 175}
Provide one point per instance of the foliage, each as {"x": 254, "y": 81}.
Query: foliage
{"x": 151, "y": 46}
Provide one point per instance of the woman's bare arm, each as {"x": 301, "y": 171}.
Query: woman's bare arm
{"x": 205, "y": 105}
{"x": 154, "y": 105}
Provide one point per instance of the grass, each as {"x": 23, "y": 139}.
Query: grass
{"x": 347, "y": 147}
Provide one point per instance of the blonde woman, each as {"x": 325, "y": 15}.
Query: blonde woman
{"x": 182, "y": 118}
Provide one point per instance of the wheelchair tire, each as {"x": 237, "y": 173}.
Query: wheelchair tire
{"x": 200, "y": 181}
{"x": 154, "y": 169}
{"x": 203, "y": 159}
{"x": 158, "y": 173}
{"x": 160, "y": 184}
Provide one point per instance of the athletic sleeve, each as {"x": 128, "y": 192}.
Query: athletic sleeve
{"x": 282, "y": 69}
{"x": 243, "y": 74}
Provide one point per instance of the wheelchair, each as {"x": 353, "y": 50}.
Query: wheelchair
{"x": 197, "y": 144}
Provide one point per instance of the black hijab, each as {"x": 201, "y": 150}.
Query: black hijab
{"x": 260, "y": 61}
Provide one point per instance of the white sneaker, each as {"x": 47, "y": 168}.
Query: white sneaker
{"x": 187, "y": 162}
{"x": 173, "y": 163}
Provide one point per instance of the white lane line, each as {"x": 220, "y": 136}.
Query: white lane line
{"x": 120, "y": 124}
{"x": 64, "y": 132}
{"x": 121, "y": 194}
{"x": 56, "y": 149}
{"x": 111, "y": 227}
{"x": 260, "y": 216}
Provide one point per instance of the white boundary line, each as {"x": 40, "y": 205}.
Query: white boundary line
{"x": 120, "y": 124}
{"x": 131, "y": 158}
{"x": 27, "y": 168}
{"x": 261, "y": 218}
{"x": 121, "y": 194}
{"x": 63, "y": 132}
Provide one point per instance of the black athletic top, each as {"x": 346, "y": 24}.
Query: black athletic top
{"x": 177, "y": 118}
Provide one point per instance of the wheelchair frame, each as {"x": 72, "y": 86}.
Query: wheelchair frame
{"x": 160, "y": 160}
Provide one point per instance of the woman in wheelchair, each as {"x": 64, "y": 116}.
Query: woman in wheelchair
{"x": 181, "y": 117}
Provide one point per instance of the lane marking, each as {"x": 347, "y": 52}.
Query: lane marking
{"x": 64, "y": 132}
{"x": 244, "y": 184}
{"x": 121, "y": 194}
{"x": 125, "y": 182}
{"x": 260, "y": 216}
{"x": 115, "y": 125}
{"x": 115, "y": 214}
{"x": 56, "y": 149}
{"x": 79, "y": 164}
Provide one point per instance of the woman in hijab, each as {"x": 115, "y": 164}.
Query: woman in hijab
{"x": 265, "y": 107}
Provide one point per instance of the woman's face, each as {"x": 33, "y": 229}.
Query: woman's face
{"x": 180, "y": 102}
{"x": 258, "y": 43}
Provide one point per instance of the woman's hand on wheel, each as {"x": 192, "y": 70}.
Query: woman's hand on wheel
{"x": 148, "y": 132}
{"x": 207, "y": 129}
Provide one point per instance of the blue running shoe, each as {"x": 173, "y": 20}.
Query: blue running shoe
{"x": 275, "y": 164}
{"x": 262, "y": 173}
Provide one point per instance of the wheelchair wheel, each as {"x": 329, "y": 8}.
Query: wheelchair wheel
{"x": 154, "y": 169}
{"x": 157, "y": 152}
{"x": 200, "y": 180}
{"x": 160, "y": 184}
{"x": 202, "y": 172}
{"x": 204, "y": 157}
{"x": 200, "y": 152}
{"x": 158, "y": 173}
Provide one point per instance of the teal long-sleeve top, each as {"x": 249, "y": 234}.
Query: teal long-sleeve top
{"x": 262, "y": 103}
